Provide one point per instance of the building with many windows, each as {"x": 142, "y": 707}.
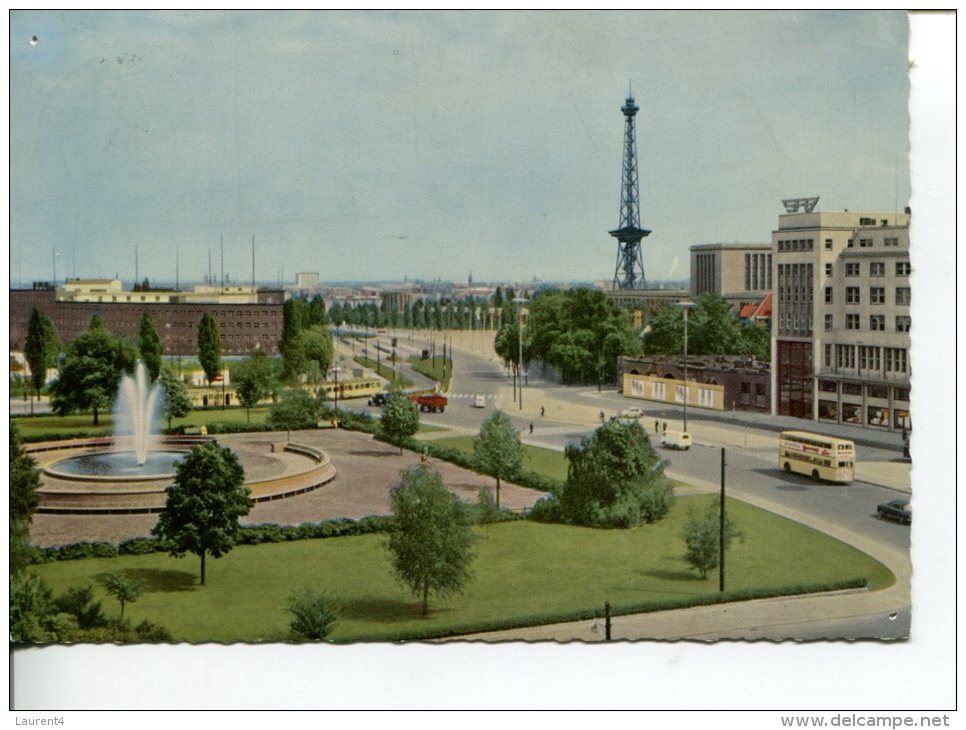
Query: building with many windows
{"x": 738, "y": 272}
{"x": 247, "y": 319}
{"x": 840, "y": 333}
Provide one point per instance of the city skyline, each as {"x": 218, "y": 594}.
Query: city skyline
{"x": 387, "y": 145}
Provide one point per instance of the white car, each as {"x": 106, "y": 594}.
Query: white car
{"x": 630, "y": 413}
{"x": 479, "y": 401}
{"x": 676, "y": 440}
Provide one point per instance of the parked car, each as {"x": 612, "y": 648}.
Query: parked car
{"x": 898, "y": 510}
{"x": 676, "y": 440}
{"x": 379, "y": 399}
{"x": 630, "y": 413}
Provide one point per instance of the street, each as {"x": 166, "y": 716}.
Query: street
{"x": 846, "y": 512}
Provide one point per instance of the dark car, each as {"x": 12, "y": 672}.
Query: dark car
{"x": 379, "y": 399}
{"x": 898, "y": 510}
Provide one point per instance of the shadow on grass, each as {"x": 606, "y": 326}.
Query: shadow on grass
{"x": 678, "y": 576}
{"x": 387, "y": 611}
{"x": 158, "y": 581}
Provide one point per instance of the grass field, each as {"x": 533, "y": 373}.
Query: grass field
{"x": 385, "y": 371}
{"x": 441, "y": 372}
{"x": 545, "y": 462}
{"x": 523, "y": 573}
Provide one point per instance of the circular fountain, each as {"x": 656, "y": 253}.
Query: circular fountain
{"x": 132, "y": 471}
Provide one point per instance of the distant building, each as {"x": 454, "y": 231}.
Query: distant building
{"x": 840, "y": 335}
{"x": 718, "y": 382}
{"x": 247, "y": 319}
{"x": 738, "y": 272}
{"x": 641, "y": 302}
{"x": 308, "y": 280}
{"x": 397, "y": 299}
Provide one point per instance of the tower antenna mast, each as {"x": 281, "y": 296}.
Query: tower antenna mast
{"x": 629, "y": 271}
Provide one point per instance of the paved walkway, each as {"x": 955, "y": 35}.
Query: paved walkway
{"x": 367, "y": 471}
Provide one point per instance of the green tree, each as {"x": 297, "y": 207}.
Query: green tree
{"x": 702, "y": 536}
{"x": 209, "y": 347}
{"x": 615, "y": 479}
{"x": 314, "y": 613}
{"x": 24, "y": 499}
{"x": 204, "y": 505}
{"x": 400, "y": 418}
{"x": 24, "y": 479}
{"x": 149, "y": 345}
{"x": 295, "y": 409}
{"x": 177, "y": 404}
{"x": 497, "y": 451}
{"x": 295, "y": 313}
{"x": 125, "y": 590}
{"x": 255, "y": 378}
{"x": 430, "y": 540}
{"x": 313, "y": 350}
{"x": 40, "y": 348}
{"x": 713, "y": 329}
{"x": 316, "y": 315}
{"x": 91, "y": 370}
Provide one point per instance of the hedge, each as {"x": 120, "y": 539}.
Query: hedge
{"x": 461, "y": 458}
{"x": 646, "y": 607}
{"x": 247, "y": 535}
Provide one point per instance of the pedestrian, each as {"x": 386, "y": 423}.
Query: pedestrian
{"x": 657, "y": 425}
{"x": 601, "y": 416}
{"x": 541, "y": 411}
{"x": 665, "y": 428}
{"x": 531, "y": 428}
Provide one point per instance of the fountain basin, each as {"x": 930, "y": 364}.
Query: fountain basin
{"x": 116, "y": 466}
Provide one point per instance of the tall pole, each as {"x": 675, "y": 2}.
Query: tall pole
{"x": 520, "y": 301}
{"x": 223, "y": 262}
{"x": 685, "y": 370}
{"x": 685, "y": 306}
{"x": 721, "y": 535}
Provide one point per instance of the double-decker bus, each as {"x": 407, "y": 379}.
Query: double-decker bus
{"x": 820, "y": 457}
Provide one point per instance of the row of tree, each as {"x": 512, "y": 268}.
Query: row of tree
{"x": 580, "y": 332}
{"x": 471, "y": 313}
{"x": 713, "y": 329}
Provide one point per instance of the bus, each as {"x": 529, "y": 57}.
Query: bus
{"x": 820, "y": 457}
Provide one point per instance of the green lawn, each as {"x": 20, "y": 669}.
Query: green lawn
{"x": 546, "y": 462}
{"x": 524, "y": 573}
{"x": 441, "y": 372}
{"x": 385, "y": 371}
{"x": 82, "y": 424}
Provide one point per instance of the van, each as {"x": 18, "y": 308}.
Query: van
{"x": 676, "y": 440}
{"x": 479, "y": 401}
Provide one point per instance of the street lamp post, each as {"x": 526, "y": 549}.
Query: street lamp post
{"x": 520, "y": 301}
{"x": 686, "y": 306}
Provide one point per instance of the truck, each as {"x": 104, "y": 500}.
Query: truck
{"x": 430, "y": 402}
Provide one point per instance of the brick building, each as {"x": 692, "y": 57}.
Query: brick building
{"x": 244, "y": 327}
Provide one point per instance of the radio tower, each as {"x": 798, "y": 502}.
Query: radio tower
{"x": 629, "y": 272}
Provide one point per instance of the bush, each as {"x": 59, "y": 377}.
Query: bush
{"x": 79, "y": 550}
{"x": 80, "y": 604}
{"x": 147, "y": 631}
{"x": 315, "y": 613}
{"x": 140, "y": 546}
{"x": 546, "y": 509}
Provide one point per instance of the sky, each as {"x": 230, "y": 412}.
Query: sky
{"x": 384, "y": 145}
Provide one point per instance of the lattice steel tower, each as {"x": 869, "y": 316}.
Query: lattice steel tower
{"x": 629, "y": 272}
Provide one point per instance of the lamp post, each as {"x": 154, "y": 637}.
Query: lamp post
{"x": 686, "y": 306}
{"x": 520, "y": 301}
